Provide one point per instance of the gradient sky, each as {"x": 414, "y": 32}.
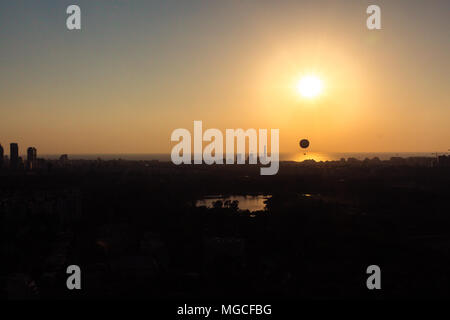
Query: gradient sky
{"x": 140, "y": 69}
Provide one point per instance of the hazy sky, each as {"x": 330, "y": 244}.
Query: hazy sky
{"x": 140, "y": 69}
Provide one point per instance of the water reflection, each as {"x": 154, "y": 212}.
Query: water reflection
{"x": 251, "y": 203}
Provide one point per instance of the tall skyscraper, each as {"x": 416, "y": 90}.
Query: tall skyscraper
{"x": 1, "y": 156}
{"x": 31, "y": 157}
{"x": 14, "y": 155}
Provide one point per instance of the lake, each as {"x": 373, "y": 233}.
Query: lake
{"x": 251, "y": 203}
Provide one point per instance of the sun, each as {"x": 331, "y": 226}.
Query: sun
{"x": 309, "y": 86}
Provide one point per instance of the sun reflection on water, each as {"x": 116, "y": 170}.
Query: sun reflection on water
{"x": 299, "y": 157}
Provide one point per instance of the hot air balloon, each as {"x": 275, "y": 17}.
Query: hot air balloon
{"x": 304, "y": 143}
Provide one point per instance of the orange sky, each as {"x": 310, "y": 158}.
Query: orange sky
{"x": 137, "y": 71}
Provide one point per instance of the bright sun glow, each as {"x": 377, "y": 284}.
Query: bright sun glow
{"x": 309, "y": 86}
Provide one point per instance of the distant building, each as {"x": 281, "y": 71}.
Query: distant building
{"x": 1, "y": 156}
{"x": 20, "y": 164}
{"x": 444, "y": 161}
{"x": 31, "y": 158}
{"x": 14, "y": 155}
{"x": 64, "y": 160}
